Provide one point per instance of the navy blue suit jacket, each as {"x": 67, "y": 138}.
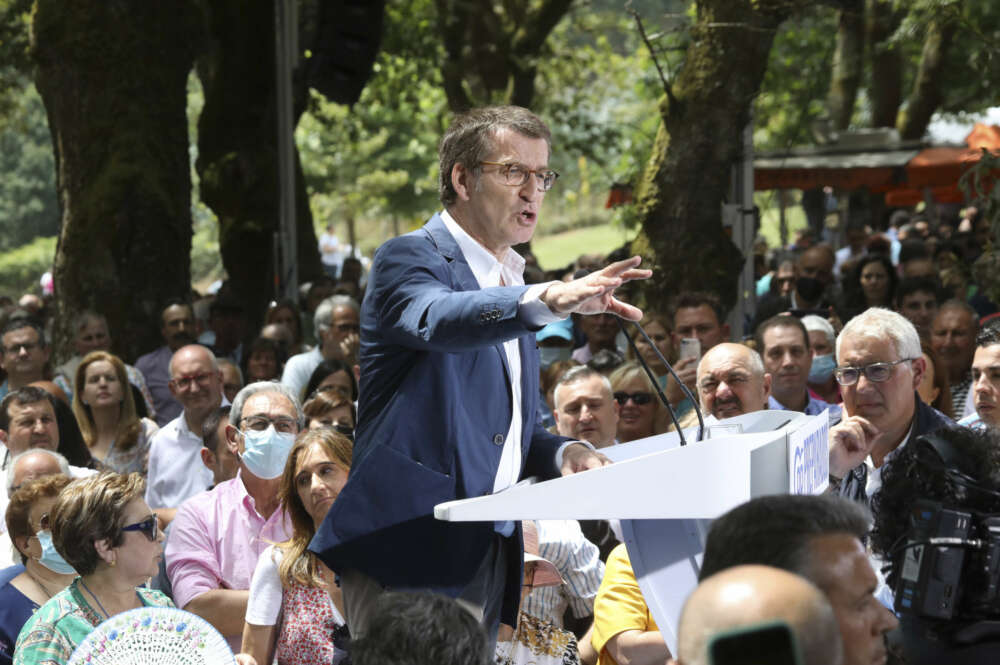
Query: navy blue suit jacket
{"x": 433, "y": 412}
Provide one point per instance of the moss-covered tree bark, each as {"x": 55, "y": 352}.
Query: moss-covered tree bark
{"x": 687, "y": 178}
{"x": 113, "y": 78}
{"x": 885, "y": 87}
{"x": 847, "y": 64}
{"x": 237, "y": 151}
{"x": 927, "y": 93}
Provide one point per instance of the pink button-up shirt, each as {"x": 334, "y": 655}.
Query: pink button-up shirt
{"x": 216, "y": 538}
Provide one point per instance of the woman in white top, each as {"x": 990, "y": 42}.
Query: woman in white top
{"x": 295, "y": 611}
{"x": 105, "y": 410}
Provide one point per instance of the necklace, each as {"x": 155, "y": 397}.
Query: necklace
{"x": 40, "y": 585}
{"x": 94, "y": 596}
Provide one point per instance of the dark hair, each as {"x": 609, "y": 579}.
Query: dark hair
{"x": 210, "y": 427}
{"x": 916, "y": 473}
{"x": 407, "y": 628}
{"x": 297, "y": 316}
{"x": 854, "y": 295}
{"x": 23, "y": 395}
{"x": 988, "y": 336}
{"x": 776, "y": 530}
{"x": 694, "y": 299}
{"x": 325, "y": 369}
{"x": 173, "y": 302}
{"x": 19, "y": 322}
{"x": 471, "y": 138}
{"x": 267, "y": 345}
{"x": 909, "y": 285}
{"x": 779, "y": 321}
{"x": 943, "y": 401}
{"x": 912, "y": 249}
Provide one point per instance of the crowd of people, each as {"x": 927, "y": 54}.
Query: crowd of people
{"x": 280, "y": 483}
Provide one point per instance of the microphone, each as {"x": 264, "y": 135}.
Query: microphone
{"x": 656, "y": 383}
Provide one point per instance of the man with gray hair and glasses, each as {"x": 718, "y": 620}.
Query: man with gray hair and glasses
{"x": 338, "y": 327}
{"x": 218, "y": 535}
{"x": 879, "y": 366}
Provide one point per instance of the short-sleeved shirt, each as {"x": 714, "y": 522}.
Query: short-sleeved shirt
{"x": 619, "y": 605}
{"x": 216, "y": 539}
{"x": 57, "y": 628}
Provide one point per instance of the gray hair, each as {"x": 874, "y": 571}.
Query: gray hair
{"x": 819, "y": 324}
{"x": 881, "y": 323}
{"x": 576, "y": 375}
{"x": 236, "y": 413}
{"x": 230, "y": 363}
{"x": 62, "y": 461}
{"x": 324, "y": 312}
{"x": 471, "y": 139}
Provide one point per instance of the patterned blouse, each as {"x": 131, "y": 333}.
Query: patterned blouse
{"x": 135, "y": 458}
{"x": 50, "y": 636}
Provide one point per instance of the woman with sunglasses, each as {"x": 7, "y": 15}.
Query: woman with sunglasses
{"x": 640, "y": 413}
{"x": 103, "y": 528}
{"x": 45, "y": 573}
{"x": 295, "y": 614}
{"x": 105, "y": 410}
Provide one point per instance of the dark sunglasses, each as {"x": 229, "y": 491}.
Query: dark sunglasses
{"x": 638, "y": 398}
{"x": 150, "y": 527}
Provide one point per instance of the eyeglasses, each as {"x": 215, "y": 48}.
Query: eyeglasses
{"x": 184, "y": 382}
{"x": 517, "y": 175}
{"x": 875, "y": 372}
{"x": 282, "y": 424}
{"x": 150, "y": 527}
{"x": 638, "y": 398}
{"x": 347, "y": 327}
{"x": 16, "y": 348}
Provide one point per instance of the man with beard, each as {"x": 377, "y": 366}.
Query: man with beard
{"x": 177, "y": 329}
{"x": 732, "y": 381}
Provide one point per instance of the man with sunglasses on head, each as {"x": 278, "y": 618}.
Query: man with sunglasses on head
{"x": 449, "y": 379}
{"x": 176, "y": 471}
{"x": 218, "y": 535}
{"x": 879, "y": 366}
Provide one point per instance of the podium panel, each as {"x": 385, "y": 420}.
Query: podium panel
{"x": 666, "y": 495}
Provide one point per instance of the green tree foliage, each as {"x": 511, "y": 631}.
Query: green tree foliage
{"x": 28, "y": 204}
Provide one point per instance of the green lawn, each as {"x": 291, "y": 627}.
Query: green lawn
{"x": 559, "y": 249}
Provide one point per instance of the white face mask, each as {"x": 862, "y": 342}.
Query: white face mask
{"x": 51, "y": 558}
{"x": 265, "y": 452}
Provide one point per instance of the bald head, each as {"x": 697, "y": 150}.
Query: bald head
{"x": 732, "y": 381}
{"x": 35, "y": 464}
{"x": 744, "y": 596}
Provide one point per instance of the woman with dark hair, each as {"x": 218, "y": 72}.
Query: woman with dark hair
{"x": 105, "y": 411}
{"x": 295, "y": 614}
{"x": 329, "y": 408}
{"x": 934, "y": 389}
{"x": 286, "y": 312}
{"x": 103, "y": 528}
{"x": 263, "y": 361}
{"x": 871, "y": 283}
{"x": 332, "y": 373}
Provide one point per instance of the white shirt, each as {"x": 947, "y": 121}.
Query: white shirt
{"x": 299, "y": 368}
{"x": 488, "y": 273}
{"x": 176, "y": 471}
{"x": 578, "y": 561}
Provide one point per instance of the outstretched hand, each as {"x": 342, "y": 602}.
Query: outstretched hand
{"x": 595, "y": 293}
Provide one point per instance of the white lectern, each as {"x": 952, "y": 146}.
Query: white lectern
{"x": 664, "y": 493}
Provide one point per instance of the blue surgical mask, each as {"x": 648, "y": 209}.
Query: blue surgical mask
{"x": 552, "y": 354}
{"x": 822, "y": 368}
{"x": 265, "y": 452}
{"x": 51, "y": 558}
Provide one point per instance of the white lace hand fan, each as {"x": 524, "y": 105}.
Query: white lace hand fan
{"x": 154, "y": 636}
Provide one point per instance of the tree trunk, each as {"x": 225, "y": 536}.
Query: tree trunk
{"x": 926, "y": 96}
{"x": 885, "y": 90}
{"x": 687, "y": 178}
{"x": 847, "y": 64}
{"x": 491, "y": 53}
{"x": 113, "y": 77}
{"x": 237, "y": 153}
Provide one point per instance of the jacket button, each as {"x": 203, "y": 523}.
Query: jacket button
{"x": 498, "y": 439}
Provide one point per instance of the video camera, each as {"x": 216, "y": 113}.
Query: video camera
{"x": 945, "y": 557}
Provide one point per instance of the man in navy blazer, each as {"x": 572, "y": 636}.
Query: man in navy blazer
{"x": 449, "y": 380}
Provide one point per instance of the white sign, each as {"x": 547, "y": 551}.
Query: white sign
{"x": 809, "y": 456}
